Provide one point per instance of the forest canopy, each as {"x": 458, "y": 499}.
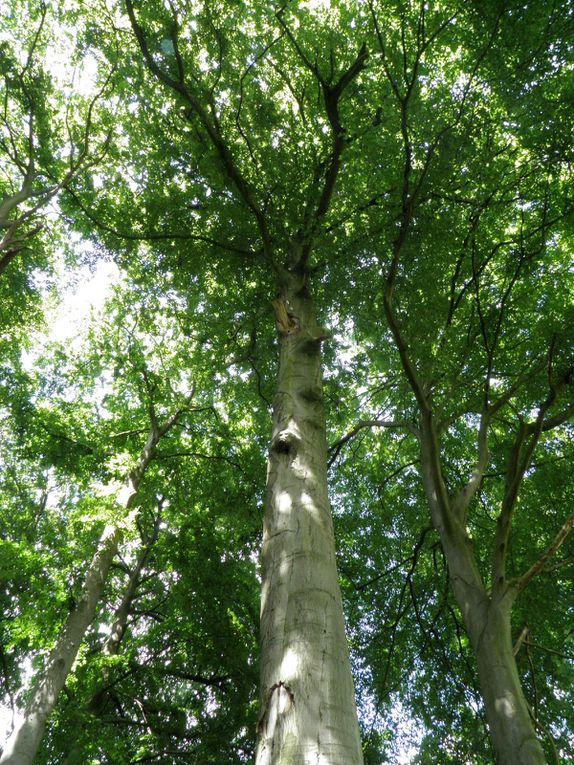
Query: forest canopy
{"x": 286, "y": 382}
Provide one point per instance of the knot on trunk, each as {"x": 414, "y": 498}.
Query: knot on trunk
{"x": 285, "y": 442}
{"x": 284, "y": 699}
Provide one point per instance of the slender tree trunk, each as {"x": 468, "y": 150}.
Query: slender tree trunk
{"x": 486, "y": 617}
{"x": 308, "y": 712}
{"x": 488, "y": 624}
{"x": 25, "y": 739}
{"x": 112, "y": 644}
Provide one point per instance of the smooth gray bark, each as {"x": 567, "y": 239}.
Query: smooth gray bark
{"x": 511, "y": 725}
{"x": 486, "y": 617}
{"x": 308, "y": 712}
{"x": 488, "y": 623}
{"x": 25, "y": 739}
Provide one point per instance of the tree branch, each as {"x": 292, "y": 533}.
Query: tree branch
{"x": 518, "y": 463}
{"x": 463, "y": 498}
{"x": 210, "y": 126}
{"x": 361, "y": 425}
{"x": 158, "y": 236}
{"x": 331, "y": 97}
{"x": 520, "y": 583}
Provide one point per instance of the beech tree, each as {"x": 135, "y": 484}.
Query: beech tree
{"x": 129, "y": 353}
{"x": 380, "y": 192}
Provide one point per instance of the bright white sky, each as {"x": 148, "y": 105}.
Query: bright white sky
{"x": 89, "y": 295}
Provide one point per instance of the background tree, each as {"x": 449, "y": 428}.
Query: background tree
{"x": 171, "y": 686}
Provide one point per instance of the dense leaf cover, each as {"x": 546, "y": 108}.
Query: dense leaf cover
{"x": 420, "y": 154}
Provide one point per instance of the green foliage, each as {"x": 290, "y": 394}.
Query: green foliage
{"x": 451, "y": 161}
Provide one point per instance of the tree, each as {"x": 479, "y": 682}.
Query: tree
{"x": 401, "y": 172}
{"x": 303, "y": 640}
{"x": 134, "y": 352}
{"x": 483, "y": 271}
{"x": 44, "y": 144}
{"x": 24, "y": 741}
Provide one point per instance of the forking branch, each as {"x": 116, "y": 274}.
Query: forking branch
{"x": 13, "y": 219}
{"x": 180, "y": 85}
{"x": 332, "y": 92}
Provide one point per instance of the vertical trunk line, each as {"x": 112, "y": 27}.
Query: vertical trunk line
{"x": 23, "y": 743}
{"x": 308, "y": 711}
{"x": 486, "y": 618}
{"x": 511, "y": 726}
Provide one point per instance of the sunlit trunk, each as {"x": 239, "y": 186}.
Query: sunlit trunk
{"x": 308, "y": 713}
{"x": 488, "y": 625}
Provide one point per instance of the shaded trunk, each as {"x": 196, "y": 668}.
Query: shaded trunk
{"x": 308, "y": 712}
{"x": 487, "y": 622}
{"x": 486, "y": 618}
{"x": 25, "y": 739}
{"x": 509, "y": 720}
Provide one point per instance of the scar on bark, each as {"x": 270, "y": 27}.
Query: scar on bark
{"x": 262, "y": 723}
{"x": 287, "y": 324}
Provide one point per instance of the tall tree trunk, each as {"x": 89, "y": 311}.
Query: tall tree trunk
{"x": 486, "y": 617}
{"x": 487, "y": 621}
{"x": 511, "y": 725}
{"x": 25, "y": 739}
{"x": 308, "y": 711}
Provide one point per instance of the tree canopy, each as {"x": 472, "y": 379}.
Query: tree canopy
{"x": 381, "y": 191}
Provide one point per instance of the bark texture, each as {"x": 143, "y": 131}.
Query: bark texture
{"x": 511, "y": 725}
{"x": 308, "y": 713}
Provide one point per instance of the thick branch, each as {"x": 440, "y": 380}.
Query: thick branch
{"x": 113, "y": 641}
{"x": 157, "y": 431}
{"x": 10, "y": 203}
{"x": 12, "y": 244}
{"x": 331, "y": 96}
{"x": 465, "y": 495}
{"x": 408, "y": 366}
